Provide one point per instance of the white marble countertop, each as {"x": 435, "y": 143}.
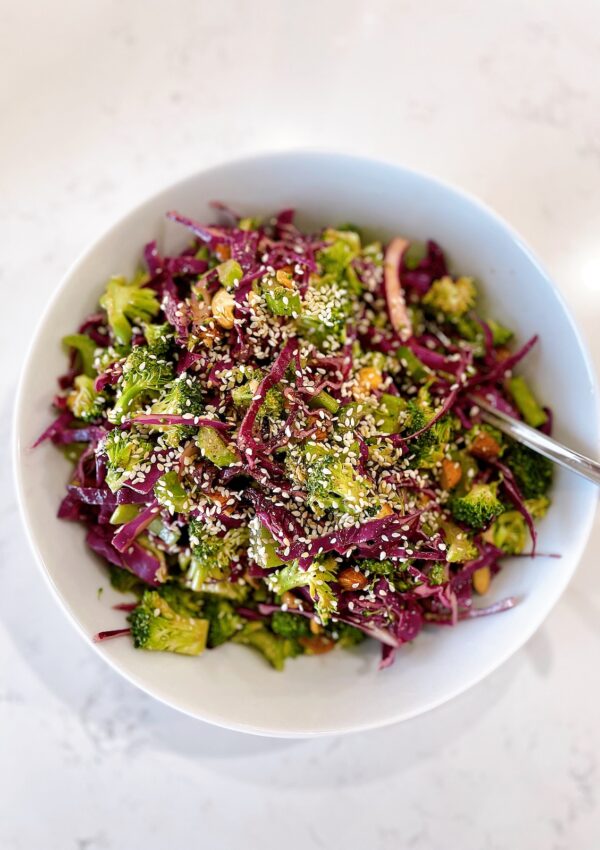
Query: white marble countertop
{"x": 103, "y": 103}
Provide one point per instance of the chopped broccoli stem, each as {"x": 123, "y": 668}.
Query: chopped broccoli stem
{"x": 229, "y": 273}
{"x": 460, "y": 546}
{"x": 171, "y": 494}
{"x": 215, "y": 448}
{"x": 155, "y": 626}
{"x": 86, "y": 350}
{"x": 326, "y": 401}
{"x": 531, "y": 411}
{"x": 123, "y": 514}
{"x": 416, "y": 370}
{"x": 281, "y": 300}
{"x": 387, "y": 416}
{"x": 126, "y": 301}
{"x": 478, "y": 507}
{"x": 500, "y": 334}
{"x": 262, "y": 548}
{"x": 169, "y": 533}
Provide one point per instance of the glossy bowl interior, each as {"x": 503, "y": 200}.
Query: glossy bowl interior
{"x": 342, "y": 691}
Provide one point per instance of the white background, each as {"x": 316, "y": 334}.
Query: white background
{"x": 101, "y": 104}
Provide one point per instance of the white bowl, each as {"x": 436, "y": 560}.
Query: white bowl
{"x": 340, "y": 692}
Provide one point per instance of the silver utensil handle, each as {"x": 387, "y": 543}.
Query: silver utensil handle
{"x": 533, "y": 439}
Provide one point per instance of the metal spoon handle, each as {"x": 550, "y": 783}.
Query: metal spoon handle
{"x": 533, "y": 439}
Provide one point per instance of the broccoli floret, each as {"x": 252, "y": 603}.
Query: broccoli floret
{"x": 500, "y": 334}
{"x": 159, "y": 338}
{"x": 451, "y": 297}
{"x": 532, "y": 471}
{"x": 126, "y": 300}
{"x": 243, "y": 395}
{"x": 538, "y": 507}
{"x": 522, "y": 396}
{"x": 183, "y": 601}
{"x": 181, "y": 396}
{"x": 212, "y": 555}
{"x": 223, "y": 618}
{"x": 290, "y": 625}
{"x": 145, "y": 375}
{"x": 125, "y": 582}
{"x": 262, "y": 548}
{"x": 460, "y": 547}
{"x": 275, "y": 649}
{"x": 478, "y": 507}
{"x": 430, "y": 447}
{"x": 317, "y": 578}
{"x": 346, "y": 635}
{"x": 83, "y": 401}
{"x": 125, "y": 450}
{"x": 508, "y": 533}
{"x": 155, "y": 626}
{"x": 215, "y": 448}
{"x": 325, "y": 312}
{"x": 171, "y": 494}
{"x": 86, "y": 350}
{"x": 343, "y": 247}
{"x": 334, "y": 484}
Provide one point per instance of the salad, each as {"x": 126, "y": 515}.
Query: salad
{"x": 276, "y": 442}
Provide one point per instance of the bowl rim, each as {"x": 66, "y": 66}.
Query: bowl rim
{"x": 317, "y": 155}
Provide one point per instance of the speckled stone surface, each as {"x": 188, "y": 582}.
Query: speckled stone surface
{"x": 103, "y": 103}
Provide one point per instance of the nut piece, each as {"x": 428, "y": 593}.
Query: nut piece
{"x": 386, "y": 510}
{"x": 451, "y": 473}
{"x": 290, "y": 600}
{"x": 222, "y": 308}
{"x": 369, "y": 378}
{"x": 481, "y": 580}
{"x": 223, "y": 251}
{"x": 351, "y": 579}
{"x": 284, "y": 278}
{"x": 484, "y": 446}
{"x": 314, "y": 627}
{"x": 317, "y": 644}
